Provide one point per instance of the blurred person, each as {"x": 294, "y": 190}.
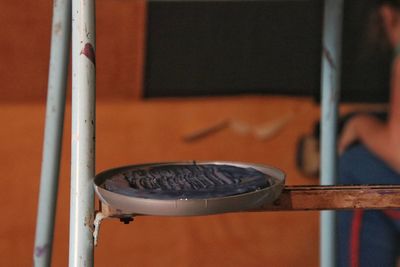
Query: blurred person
{"x": 370, "y": 154}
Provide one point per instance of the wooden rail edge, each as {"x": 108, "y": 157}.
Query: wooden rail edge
{"x": 301, "y": 198}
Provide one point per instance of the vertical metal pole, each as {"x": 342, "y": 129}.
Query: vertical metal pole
{"x": 83, "y": 133}
{"x": 59, "y": 56}
{"x": 331, "y": 62}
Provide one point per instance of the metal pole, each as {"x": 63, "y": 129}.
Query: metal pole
{"x": 83, "y": 133}
{"x": 331, "y": 63}
{"x": 59, "y": 56}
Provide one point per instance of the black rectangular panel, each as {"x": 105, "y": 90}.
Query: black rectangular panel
{"x": 365, "y": 63}
{"x": 233, "y": 47}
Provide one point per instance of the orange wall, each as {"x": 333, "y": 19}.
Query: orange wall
{"x": 152, "y": 131}
{"x": 25, "y": 48}
{"x": 149, "y": 131}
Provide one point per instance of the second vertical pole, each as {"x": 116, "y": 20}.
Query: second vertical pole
{"x": 330, "y": 89}
{"x": 57, "y": 83}
{"x": 83, "y": 133}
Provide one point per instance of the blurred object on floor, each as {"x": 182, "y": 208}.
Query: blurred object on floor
{"x": 262, "y": 131}
{"x": 308, "y": 156}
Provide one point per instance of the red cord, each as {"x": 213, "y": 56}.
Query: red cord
{"x": 355, "y": 238}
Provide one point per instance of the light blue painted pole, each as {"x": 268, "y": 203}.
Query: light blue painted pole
{"x": 330, "y": 88}
{"x": 59, "y": 56}
{"x": 83, "y": 133}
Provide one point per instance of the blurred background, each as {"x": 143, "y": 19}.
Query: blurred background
{"x": 167, "y": 70}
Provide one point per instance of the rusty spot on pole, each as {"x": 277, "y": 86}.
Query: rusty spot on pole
{"x": 329, "y": 57}
{"x": 88, "y": 51}
{"x": 41, "y": 250}
{"x": 57, "y": 28}
{"x": 89, "y": 222}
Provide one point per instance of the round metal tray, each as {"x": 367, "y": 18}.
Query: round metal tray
{"x": 188, "y": 188}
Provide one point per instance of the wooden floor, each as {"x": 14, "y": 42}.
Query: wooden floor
{"x": 152, "y": 131}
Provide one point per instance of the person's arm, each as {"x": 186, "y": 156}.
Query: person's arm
{"x": 383, "y": 139}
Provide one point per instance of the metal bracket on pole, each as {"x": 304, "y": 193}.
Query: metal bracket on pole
{"x": 96, "y": 224}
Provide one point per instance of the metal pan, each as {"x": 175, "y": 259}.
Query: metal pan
{"x": 188, "y": 188}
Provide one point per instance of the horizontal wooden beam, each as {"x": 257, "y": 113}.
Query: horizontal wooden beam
{"x": 298, "y": 198}
{"x": 309, "y": 198}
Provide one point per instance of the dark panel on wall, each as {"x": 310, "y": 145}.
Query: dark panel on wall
{"x": 365, "y": 64}
{"x": 233, "y": 47}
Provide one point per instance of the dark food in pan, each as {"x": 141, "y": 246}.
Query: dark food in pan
{"x": 186, "y": 181}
